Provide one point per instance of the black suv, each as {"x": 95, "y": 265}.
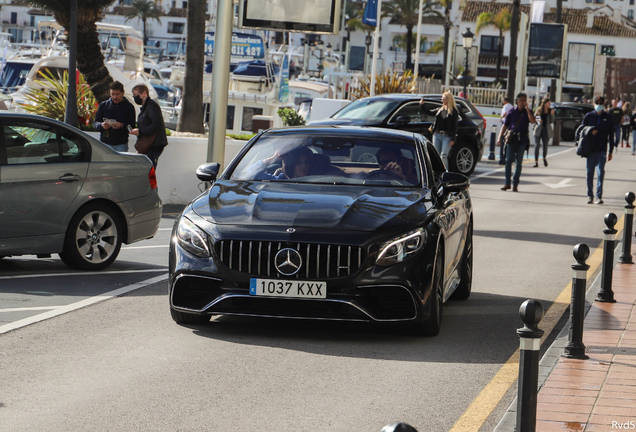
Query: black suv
{"x": 402, "y": 111}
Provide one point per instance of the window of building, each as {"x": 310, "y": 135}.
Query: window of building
{"x": 608, "y": 50}
{"x": 630, "y": 14}
{"x": 126, "y": 2}
{"x": 14, "y": 17}
{"x": 16, "y": 34}
{"x": 174, "y": 48}
{"x": 631, "y": 2}
{"x": 248, "y": 113}
{"x": 184, "y": 5}
{"x": 176, "y": 28}
{"x": 489, "y": 44}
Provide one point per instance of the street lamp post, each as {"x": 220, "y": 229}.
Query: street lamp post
{"x": 467, "y": 40}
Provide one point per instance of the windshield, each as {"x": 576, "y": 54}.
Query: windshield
{"x": 330, "y": 159}
{"x": 373, "y": 110}
{"x": 14, "y": 75}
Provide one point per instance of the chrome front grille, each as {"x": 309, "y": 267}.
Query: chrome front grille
{"x": 320, "y": 261}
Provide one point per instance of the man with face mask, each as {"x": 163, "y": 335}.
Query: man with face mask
{"x": 603, "y": 133}
{"x": 150, "y": 122}
{"x": 113, "y": 118}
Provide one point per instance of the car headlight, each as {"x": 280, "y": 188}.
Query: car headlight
{"x": 192, "y": 238}
{"x": 400, "y": 248}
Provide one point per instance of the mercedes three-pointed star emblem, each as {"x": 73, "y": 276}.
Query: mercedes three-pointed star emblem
{"x": 288, "y": 262}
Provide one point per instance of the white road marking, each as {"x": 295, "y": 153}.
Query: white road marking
{"x": 563, "y": 183}
{"x": 144, "y": 247}
{"x": 161, "y": 269}
{"x": 26, "y": 309}
{"x": 80, "y": 304}
{"x": 165, "y": 229}
{"x": 486, "y": 174}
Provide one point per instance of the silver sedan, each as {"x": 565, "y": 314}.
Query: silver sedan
{"x": 62, "y": 191}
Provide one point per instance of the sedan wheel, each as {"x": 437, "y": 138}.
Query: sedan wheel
{"x": 463, "y": 159}
{"x": 93, "y": 238}
{"x": 432, "y": 325}
{"x": 462, "y": 292}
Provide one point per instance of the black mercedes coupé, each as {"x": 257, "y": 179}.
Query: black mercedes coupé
{"x": 330, "y": 223}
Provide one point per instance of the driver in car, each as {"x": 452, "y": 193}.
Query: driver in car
{"x": 390, "y": 159}
{"x": 296, "y": 163}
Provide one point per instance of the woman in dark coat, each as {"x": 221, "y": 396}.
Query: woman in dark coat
{"x": 149, "y": 122}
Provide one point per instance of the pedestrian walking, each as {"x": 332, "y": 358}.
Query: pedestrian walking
{"x": 632, "y": 122}
{"x": 114, "y": 118}
{"x": 149, "y": 123}
{"x": 616, "y": 113}
{"x": 515, "y": 135}
{"x": 603, "y": 132}
{"x": 543, "y": 131}
{"x": 627, "y": 111}
{"x": 444, "y": 128}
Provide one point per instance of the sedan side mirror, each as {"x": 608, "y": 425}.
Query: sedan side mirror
{"x": 208, "y": 171}
{"x": 454, "y": 182}
{"x": 403, "y": 120}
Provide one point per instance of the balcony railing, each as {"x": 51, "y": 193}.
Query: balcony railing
{"x": 481, "y": 95}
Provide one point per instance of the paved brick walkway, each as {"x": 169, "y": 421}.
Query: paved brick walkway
{"x": 598, "y": 394}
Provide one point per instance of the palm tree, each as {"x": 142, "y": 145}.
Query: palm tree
{"x": 437, "y": 46}
{"x": 191, "y": 116}
{"x": 144, "y": 10}
{"x": 447, "y": 5}
{"x": 90, "y": 60}
{"x": 405, "y": 12}
{"x": 501, "y": 21}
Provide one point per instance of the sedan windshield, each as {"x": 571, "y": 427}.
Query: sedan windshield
{"x": 330, "y": 159}
{"x": 370, "y": 109}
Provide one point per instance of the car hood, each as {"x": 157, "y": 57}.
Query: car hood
{"x": 344, "y": 122}
{"x": 358, "y": 208}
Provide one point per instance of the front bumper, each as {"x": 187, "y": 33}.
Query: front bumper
{"x": 400, "y": 292}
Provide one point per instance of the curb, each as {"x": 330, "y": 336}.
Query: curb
{"x": 508, "y": 422}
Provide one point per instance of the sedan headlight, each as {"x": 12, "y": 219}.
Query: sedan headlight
{"x": 192, "y": 238}
{"x": 400, "y": 248}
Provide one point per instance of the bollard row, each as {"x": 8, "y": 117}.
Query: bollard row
{"x": 626, "y": 255}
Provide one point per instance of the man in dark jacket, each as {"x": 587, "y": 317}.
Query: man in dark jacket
{"x": 603, "y": 133}
{"x": 517, "y": 122}
{"x": 150, "y": 122}
{"x": 113, "y": 118}
{"x": 616, "y": 113}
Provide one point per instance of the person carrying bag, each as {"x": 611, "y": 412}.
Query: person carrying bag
{"x": 151, "y": 130}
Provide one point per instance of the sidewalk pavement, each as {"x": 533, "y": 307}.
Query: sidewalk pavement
{"x": 597, "y": 394}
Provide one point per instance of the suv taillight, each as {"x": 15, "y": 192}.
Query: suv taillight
{"x": 152, "y": 178}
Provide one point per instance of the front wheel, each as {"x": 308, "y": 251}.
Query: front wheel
{"x": 462, "y": 292}
{"x": 462, "y": 158}
{"x": 93, "y": 238}
{"x": 432, "y": 325}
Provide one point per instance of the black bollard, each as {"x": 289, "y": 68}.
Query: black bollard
{"x": 626, "y": 255}
{"x": 531, "y": 312}
{"x": 575, "y": 347}
{"x": 493, "y": 141}
{"x": 398, "y": 427}
{"x": 606, "y": 294}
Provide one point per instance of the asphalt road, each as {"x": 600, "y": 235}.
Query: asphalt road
{"x": 122, "y": 364}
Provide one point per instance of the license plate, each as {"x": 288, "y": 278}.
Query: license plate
{"x": 288, "y": 288}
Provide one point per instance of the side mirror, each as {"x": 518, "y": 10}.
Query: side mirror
{"x": 403, "y": 120}
{"x": 454, "y": 182}
{"x": 208, "y": 171}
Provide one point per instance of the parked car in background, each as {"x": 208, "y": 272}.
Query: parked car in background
{"x": 571, "y": 115}
{"x": 337, "y": 223}
{"x": 402, "y": 112}
{"x": 64, "y": 192}
{"x": 167, "y": 96}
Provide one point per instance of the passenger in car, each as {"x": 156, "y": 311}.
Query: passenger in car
{"x": 296, "y": 163}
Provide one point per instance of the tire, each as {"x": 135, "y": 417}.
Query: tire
{"x": 93, "y": 238}
{"x": 462, "y": 158}
{"x": 462, "y": 292}
{"x": 432, "y": 325}
{"x": 186, "y": 318}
